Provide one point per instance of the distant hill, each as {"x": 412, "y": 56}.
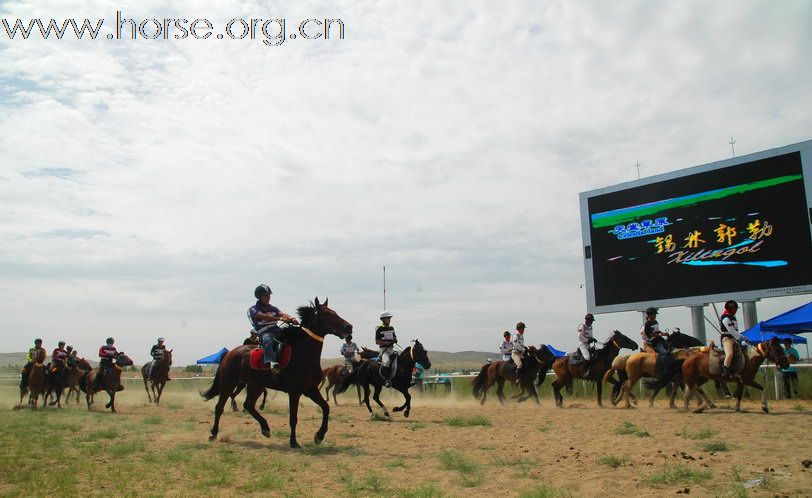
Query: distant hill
{"x": 18, "y": 359}
{"x": 442, "y": 360}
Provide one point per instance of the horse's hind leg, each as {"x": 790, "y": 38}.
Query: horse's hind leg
{"x": 146, "y": 388}
{"x": 233, "y": 396}
{"x": 315, "y": 395}
{"x": 376, "y": 396}
{"x": 358, "y": 390}
{"x": 264, "y": 398}
{"x": 500, "y": 386}
{"x": 559, "y": 399}
{"x": 366, "y": 398}
{"x": 218, "y": 412}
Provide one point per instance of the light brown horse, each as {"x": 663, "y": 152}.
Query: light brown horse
{"x": 108, "y": 382}
{"x": 36, "y": 380}
{"x": 695, "y": 372}
{"x": 601, "y": 362}
{"x": 497, "y": 372}
{"x": 332, "y": 375}
{"x": 159, "y": 376}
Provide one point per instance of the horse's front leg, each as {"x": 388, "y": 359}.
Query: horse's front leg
{"x": 293, "y": 408}
{"x": 376, "y": 396}
{"x": 315, "y": 395}
{"x": 753, "y": 383}
{"x": 406, "y": 405}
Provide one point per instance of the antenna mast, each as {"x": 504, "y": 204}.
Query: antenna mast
{"x": 637, "y": 165}
{"x": 384, "y": 287}
{"x": 732, "y": 149}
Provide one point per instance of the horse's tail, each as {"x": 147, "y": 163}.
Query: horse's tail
{"x": 480, "y": 380}
{"x": 346, "y": 382}
{"x": 214, "y": 390}
{"x": 607, "y": 377}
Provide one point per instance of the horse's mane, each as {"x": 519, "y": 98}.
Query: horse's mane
{"x": 306, "y": 313}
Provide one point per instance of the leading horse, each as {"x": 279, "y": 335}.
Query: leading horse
{"x": 158, "y": 377}
{"x": 93, "y": 382}
{"x": 300, "y": 377}
{"x": 36, "y": 380}
{"x": 602, "y": 361}
{"x": 368, "y": 374}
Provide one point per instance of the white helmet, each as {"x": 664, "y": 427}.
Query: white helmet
{"x": 386, "y": 314}
{"x": 160, "y": 339}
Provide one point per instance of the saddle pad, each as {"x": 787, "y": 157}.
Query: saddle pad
{"x": 716, "y": 359}
{"x": 256, "y": 356}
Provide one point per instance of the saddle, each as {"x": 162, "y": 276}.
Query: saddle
{"x": 255, "y": 358}
{"x": 716, "y": 358}
{"x": 576, "y": 358}
{"x": 393, "y": 365}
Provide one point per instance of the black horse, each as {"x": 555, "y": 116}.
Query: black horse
{"x": 300, "y": 377}
{"x": 368, "y": 374}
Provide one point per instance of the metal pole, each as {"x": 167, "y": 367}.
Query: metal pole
{"x": 697, "y": 319}
{"x": 384, "y": 287}
{"x": 750, "y": 317}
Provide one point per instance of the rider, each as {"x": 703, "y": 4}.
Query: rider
{"x": 157, "y": 353}
{"x": 586, "y": 340}
{"x": 729, "y": 329}
{"x": 265, "y": 318}
{"x": 385, "y": 338}
{"x": 504, "y": 348}
{"x": 517, "y": 349}
{"x": 58, "y": 357}
{"x": 107, "y": 353}
{"x": 654, "y": 342}
{"x": 348, "y": 351}
{"x": 72, "y": 359}
{"x": 30, "y": 359}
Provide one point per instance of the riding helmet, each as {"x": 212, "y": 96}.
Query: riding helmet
{"x": 386, "y": 314}
{"x": 37, "y": 341}
{"x": 651, "y": 310}
{"x": 110, "y": 340}
{"x": 520, "y": 325}
{"x": 589, "y": 316}
{"x": 731, "y": 305}
{"x": 160, "y": 339}
{"x": 261, "y": 290}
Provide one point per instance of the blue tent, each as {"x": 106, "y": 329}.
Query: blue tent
{"x": 758, "y": 334}
{"x": 557, "y": 353}
{"x": 797, "y": 320}
{"x": 213, "y": 358}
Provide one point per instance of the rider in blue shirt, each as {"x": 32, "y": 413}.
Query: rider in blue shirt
{"x": 265, "y": 318}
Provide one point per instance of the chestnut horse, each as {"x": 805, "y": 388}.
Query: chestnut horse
{"x": 300, "y": 377}
{"x": 601, "y": 362}
{"x": 333, "y": 375}
{"x": 160, "y": 374}
{"x": 640, "y": 365}
{"x": 109, "y": 382}
{"x": 36, "y": 380}
{"x": 534, "y": 361}
{"x": 368, "y": 374}
{"x": 695, "y": 372}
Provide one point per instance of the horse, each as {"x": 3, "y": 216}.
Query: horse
{"x": 533, "y": 362}
{"x": 36, "y": 380}
{"x": 333, "y": 375}
{"x": 110, "y": 382}
{"x": 640, "y": 365}
{"x": 695, "y": 372}
{"x": 300, "y": 377}
{"x": 368, "y": 374}
{"x": 601, "y": 362}
{"x": 75, "y": 374}
{"x": 159, "y": 376}
{"x": 238, "y": 390}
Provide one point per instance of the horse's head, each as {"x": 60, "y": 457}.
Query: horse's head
{"x": 621, "y": 341}
{"x": 773, "y": 351}
{"x": 168, "y": 357}
{"x": 322, "y": 320}
{"x": 420, "y": 355}
{"x": 123, "y": 360}
{"x": 679, "y": 340}
{"x": 544, "y": 354}
{"x": 83, "y": 364}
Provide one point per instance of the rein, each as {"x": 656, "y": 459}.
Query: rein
{"x": 312, "y": 334}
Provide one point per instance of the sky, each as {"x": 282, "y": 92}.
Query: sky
{"x": 147, "y": 186}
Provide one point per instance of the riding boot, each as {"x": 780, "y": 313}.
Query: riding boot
{"x": 385, "y": 373}
{"x": 725, "y": 371}
{"x": 518, "y": 376}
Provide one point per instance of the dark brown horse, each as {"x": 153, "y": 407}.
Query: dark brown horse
{"x": 300, "y": 377}
{"x": 368, "y": 374}
{"x": 159, "y": 376}
{"x": 601, "y": 362}
{"x": 497, "y": 372}
{"x": 36, "y": 380}
{"x": 93, "y": 382}
{"x": 695, "y": 372}
{"x": 333, "y": 375}
{"x": 69, "y": 378}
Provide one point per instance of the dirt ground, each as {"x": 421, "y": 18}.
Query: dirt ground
{"x": 526, "y": 450}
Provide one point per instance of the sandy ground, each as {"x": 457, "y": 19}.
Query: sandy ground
{"x": 525, "y": 447}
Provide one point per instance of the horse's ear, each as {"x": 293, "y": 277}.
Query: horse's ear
{"x": 317, "y": 301}
{"x": 171, "y": 350}
{"x": 326, "y": 299}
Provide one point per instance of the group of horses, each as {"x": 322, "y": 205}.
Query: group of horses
{"x": 690, "y": 368}
{"x": 49, "y": 380}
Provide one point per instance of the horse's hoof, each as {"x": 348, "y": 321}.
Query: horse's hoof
{"x": 765, "y": 409}
{"x": 265, "y": 432}
{"x": 406, "y": 414}
{"x": 213, "y": 437}
{"x": 397, "y": 409}
{"x": 386, "y": 414}
{"x": 318, "y": 438}
{"x": 294, "y": 445}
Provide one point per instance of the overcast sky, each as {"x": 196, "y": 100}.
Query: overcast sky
{"x": 146, "y": 187}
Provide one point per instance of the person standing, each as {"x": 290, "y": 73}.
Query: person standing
{"x": 790, "y": 374}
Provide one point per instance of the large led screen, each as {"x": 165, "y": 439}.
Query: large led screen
{"x": 725, "y": 231}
